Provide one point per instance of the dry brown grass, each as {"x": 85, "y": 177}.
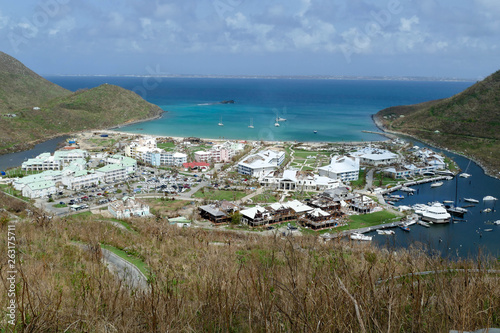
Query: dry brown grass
{"x": 218, "y": 281}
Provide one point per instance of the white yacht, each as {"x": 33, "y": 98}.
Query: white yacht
{"x": 471, "y": 200}
{"x": 465, "y": 175}
{"x": 251, "y": 123}
{"x": 489, "y": 198}
{"x": 360, "y": 237}
{"x": 220, "y": 122}
{"x": 437, "y": 184}
{"x": 436, "y": 213}
{"x": 276, "y": 124}
{"x": 385, "y": 232}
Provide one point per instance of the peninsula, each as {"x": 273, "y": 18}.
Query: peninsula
{"x": 33, "y": 109}
{"x": 468, "y": 123}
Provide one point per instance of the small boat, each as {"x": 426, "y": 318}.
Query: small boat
{"x": 360, "y": 237}
{"x": 276, "y": 124}
{"x": 251, "y": 123}
{"x": 437, "y": 184}
{"x": 220, "y": 122}
{"x": 497, "y": 222}
{"x": 407, "y": 189}
{"x": 471, "y": 200}
{"x": 397, "y": 196}
{"x": 385, "y": 232}
{"x": 280, "y": 119}
{"x": 465, "y": 174}
{"x": 448, "y": 201}
{"x": 489, "y": 198}
{"x": 488, "y": 230}
{"x": 410, "y": 222}
{"x": 405, "y": 227}
{"x": 315, "y": 132}
{"x": 424, "y": 224}
{"x": 487, "y": 210}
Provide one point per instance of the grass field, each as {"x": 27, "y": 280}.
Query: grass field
{"x": 369, "y": 220}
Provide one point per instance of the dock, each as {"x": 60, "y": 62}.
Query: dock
{"x": 408, "y": 184}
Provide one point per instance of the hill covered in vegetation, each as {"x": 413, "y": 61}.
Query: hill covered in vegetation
{"x": 468, "y": 122}
{"x": 34, "y": 109}
{"x": 202, "y": 280}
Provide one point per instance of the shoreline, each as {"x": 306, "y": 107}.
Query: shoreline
{"x": 381, "y": 127}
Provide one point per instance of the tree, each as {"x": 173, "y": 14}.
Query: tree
{"x": 236, "y": 218}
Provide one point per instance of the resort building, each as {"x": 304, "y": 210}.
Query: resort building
{"x": 262, "y": 163}
{"x": 375, "y": 156}
{"x": 112, "y": 173}
{"x": 39, "y": 189}
{"x": 344, "y": 168}
{"x": 159, "y": 157}
{"x": 67, "y": 156}
{"x": 274, "y": 213}
{"x": 294, "y": 180}
{"x": 217, "y": 154}
{"x": 80, "y": 179}
{"x": 50, "y": 175}
{"x": 128, "y": 163}
{"x": 128, "y": 207}
{"x": 220, "y": 212}
{"x": 42, "y": 162}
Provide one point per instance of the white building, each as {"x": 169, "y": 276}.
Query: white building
{"x": 294, "y": 180}
{"x": 112, "y": 173}
{"x": 80, "y": 179}
{"x": 42, "y": 162}
{"x": 128, "y": 207}
{"x": 261, "y": 163}
{"x": 218, "y": 154}
{"x": 344, "y": 168}
{"x": 128, "y": 163}
{"x": 39, "y": 189}
{"x": 50, "y": 175}
{"x": 67, "y": 156}
{"x": 375, "y": 156}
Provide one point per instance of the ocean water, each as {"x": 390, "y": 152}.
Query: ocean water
{"x": 339, "y": 110}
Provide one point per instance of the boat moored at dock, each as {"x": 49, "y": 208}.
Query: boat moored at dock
{"x": 360, "y": 237}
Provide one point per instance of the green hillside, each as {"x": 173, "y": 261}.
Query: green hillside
{"x": 60, "y": 111}
{"x": 468, "y": 122}
{"x": 22, "y": 88}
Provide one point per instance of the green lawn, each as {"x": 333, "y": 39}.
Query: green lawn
{"x": 266, "y": 197}
{"x": 128, "y": 257}
{"x": 167, "y": 146}
{"x": 369, "y": 220}
{"x": 219, "y": 194}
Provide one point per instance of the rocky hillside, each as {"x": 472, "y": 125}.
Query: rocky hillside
{"x": 468, "y": 122}
{"x": 34, "y": 109}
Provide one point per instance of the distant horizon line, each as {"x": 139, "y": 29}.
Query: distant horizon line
{"x": 291, "y": 77}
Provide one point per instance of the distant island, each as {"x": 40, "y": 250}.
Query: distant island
{"x": 283, "y": 77}
{"x": 33, "y": 109}
{"x": 468, "y": 123}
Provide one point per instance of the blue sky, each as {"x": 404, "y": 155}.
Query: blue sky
{"x": 445, "y": 38}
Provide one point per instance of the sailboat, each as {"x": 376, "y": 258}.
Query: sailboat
{"x": 465, "y": 174}
{"x": 251, "y": 123}
{"x": 220, "y": 122}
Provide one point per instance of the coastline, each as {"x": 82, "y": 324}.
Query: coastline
{"x": 381, "y": 127}
{"x": 20, "y": 147}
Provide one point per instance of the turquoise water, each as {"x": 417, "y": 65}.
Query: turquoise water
{"x": 339, "y": 110}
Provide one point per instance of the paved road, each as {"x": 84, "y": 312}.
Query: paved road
{"x": 127, "y": 272}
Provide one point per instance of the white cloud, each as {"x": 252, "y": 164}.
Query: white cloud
{"x": 4, "y": 21}
{"x": 407, "y": 24}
